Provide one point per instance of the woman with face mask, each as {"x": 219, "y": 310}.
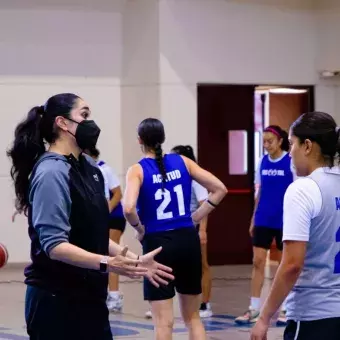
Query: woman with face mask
{"x": 61, "y": 190}
{"x": 273, "y": 176}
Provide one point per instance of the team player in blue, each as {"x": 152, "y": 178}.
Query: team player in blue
{"x": 310, "y": 268}
{"x": 161, "y": 186}
{"x": 273, "y": 176}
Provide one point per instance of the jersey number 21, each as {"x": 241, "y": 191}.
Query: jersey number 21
{"x": 166, "y": 196}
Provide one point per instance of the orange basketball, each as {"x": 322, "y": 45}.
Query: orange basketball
{"x": 3, "y": 255}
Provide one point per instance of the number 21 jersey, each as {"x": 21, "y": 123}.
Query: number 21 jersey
{"x": 167, "y": 209}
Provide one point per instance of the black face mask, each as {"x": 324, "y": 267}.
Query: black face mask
{"x": 87, "y": 134}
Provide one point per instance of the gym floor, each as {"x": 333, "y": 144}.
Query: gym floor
{"x": 230, "y": 298}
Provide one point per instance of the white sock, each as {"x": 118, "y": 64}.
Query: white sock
{"x": 114, "y": 294}
{"x": 255, "y": 303}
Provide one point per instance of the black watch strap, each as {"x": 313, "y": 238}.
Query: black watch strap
{"x": 103, "y": 264}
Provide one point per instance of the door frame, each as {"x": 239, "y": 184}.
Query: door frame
{"x": 310, "y": 88}
{"x": 311, "y": 104}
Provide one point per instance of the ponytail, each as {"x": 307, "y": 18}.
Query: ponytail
{"x": 28, "y": 146}
{"x": 160, "y": 163}
{"x": 285, "y": 141}
{"x": 151, "y": 132}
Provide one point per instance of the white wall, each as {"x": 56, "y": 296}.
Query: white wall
{"x": 328, "y": 27}
{"x": 229, "y": 42}
{"x": 139, "y": 82}
{"x": 140, "y": 72}
{"x": 47, "y": 50}
{"x": 220, "y": 41}
{"x": 328, "y": 56}
{"x": 131, "y": 59}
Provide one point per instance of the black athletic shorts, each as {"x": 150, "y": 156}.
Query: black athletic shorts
{"x": 117, "y": 223}
{"x": 182, "y": 252}
{"x": 263, "y": 237}
{"x": 323, "y": 329}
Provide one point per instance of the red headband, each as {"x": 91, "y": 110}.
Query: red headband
{"x": 273, "y": 131}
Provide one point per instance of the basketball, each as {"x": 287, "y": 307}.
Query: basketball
{"x": 3, "y": 255}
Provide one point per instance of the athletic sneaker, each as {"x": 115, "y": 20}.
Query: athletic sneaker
{"x": 250, "y": 316}
{"x": 282, "y": 319}
{"x": 115, "y": 303}
{"x": 148, "y": 314}
{"x": 205, "y": 310}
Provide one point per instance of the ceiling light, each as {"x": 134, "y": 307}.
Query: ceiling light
{"x": 282, "y": 90}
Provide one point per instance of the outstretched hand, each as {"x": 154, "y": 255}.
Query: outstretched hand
{"x": 260, "y": 330}
{"x": 123, "y": 265}
{"x": 156, "y": 272}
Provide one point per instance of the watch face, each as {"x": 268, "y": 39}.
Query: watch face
{"x": 103, "y": 264}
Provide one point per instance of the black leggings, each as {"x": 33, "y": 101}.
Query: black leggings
{"x": 51, "y": 317}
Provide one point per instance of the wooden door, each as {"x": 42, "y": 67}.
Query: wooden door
{"x": 284, "y": 110}
{"x": 226, "y": 148}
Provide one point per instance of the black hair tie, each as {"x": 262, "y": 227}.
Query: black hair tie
{"x": 211, "y": 203}
{"x": 41, "y": 110}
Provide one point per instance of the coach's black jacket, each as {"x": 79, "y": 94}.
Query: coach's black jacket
{"x": 67, "y": 204}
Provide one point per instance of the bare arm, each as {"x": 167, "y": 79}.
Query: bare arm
{"x": 116, "y": 198}
{"x": 115, "y": 249}
{"x": 216, "y": 188}
{"x": 75, "y": 256}
{"x": 285, "y": 278}
{"x": 204, "y": 221}
{"x": 302, "y": 203}
{"x": 257, "y": 199}
{"x": 257, "y": 195}
{"x": 133, "y": 184}
{"x": 203, "y": 228}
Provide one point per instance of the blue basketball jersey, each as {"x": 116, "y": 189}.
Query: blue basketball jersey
{"x": 169, "y": 209}
{"x": 275, "y": 179}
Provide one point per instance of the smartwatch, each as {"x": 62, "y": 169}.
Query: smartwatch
{"x": 103, "y": 264}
